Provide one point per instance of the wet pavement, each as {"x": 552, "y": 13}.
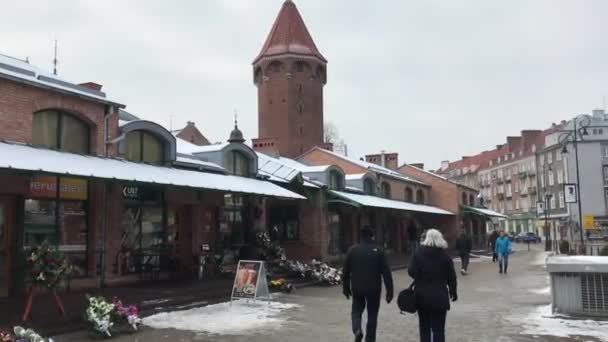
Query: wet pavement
{"x": 491, "y": 307}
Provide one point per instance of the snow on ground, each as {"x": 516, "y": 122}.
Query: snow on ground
{"x": 540, "y": 259}
{"x": 542, "y": 322}
{"x": 224, "y": 319}
{"x": 543, "y": 291}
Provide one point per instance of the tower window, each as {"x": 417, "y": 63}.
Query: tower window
{"x": 299, "y": 67}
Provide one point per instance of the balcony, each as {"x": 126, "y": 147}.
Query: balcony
{"x": 532, "y": 173}
{"x": 499, "y": 180}
{"x": 500, "y": 196}
{"x": 523, "y": 174}
{"x": 509, "y": 195}
{"x": 532, "y": 190}
{"x": 508, "y": 178}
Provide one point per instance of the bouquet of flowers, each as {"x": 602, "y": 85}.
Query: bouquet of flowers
{"x": 99, "y": 314}
{"x": 127, "y": 314}
{"x": 22, "y": 335}
{"x": 49, "y": 267}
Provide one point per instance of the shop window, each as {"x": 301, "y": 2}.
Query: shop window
{"x": 61, "y": 131}
{"x": 143, "y": 238}
{"x": 284, "y": 224}
{"x": 420, "y": 196}
{"x": 386, "y": 190}
{"x": 335, "y": 234}
{"x": 335, "y": 180}
{"x": 144, "y": 147}
{"x": 61, "y": 223}
{"x": 369, "y": 187}
{"x": 237, "y": 163}
{"x": 409, "y": 195}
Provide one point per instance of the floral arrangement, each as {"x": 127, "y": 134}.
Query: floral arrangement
{"x": 22, "y": 335}
{"x": 105, "y": 317}
{"x": 49, "y": 267}
{"x": 127, "y": 314}
{"x": 99, "y": 314}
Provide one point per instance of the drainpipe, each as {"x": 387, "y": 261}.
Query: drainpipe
{"x": 109, "y": 111}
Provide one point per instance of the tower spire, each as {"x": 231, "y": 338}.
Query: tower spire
{"x": 55, "y": 59}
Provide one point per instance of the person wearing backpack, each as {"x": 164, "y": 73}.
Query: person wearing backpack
{"x": 434, "y": 285}
{"x": 364, "y": 269}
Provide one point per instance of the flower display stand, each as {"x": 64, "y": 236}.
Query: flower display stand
{"x": 31, "y": 293}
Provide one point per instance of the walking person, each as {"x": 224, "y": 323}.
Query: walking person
{"x": 412, "y": 233}
{"x": 503, "y": 249}
{"x": 464, "y": 245}
{"x": 435, "y": 284}
{"x": 364, "y": 269}
{"x": 492, "y": 242}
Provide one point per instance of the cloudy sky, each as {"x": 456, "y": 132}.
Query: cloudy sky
{"x": 432, "y": 79}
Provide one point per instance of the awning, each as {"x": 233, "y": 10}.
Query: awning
{"x": 378, "y": 202}
{"x": 27, "y": 158}
{"x": 483, "y": 212}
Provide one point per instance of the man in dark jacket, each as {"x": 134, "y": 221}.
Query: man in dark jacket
{"x": 492, "y": 242}
{"x": 364, "y": 267}
{"x": 464, "y": 245}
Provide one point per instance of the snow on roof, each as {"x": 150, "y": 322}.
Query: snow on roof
{"x": 186, "y": 147}
{"x": 27, "y": 158}
{"x": 486, "y": 212}
{"x": 315, "y": 169}
{"x": 195, "y": 161}
{"x": 355, "y": 176}
{"x": 378, "y": 202}
{"x": 275, "y": 168}
{"x": 22, "y": 71}
{"x": 577, "y": 263}
{"x": 373, "y": 167}
{"x": 209, "y": 148}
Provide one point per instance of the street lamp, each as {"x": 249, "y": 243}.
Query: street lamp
{"x": 548, "y": 242}
{"x": 578, "y": 131}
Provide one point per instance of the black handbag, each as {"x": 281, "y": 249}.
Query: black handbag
{"x": 406, "y": 301}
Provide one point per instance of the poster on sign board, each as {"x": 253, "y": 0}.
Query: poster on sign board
{"x": 250, "y": 281}
{"x": 570, "y": 193}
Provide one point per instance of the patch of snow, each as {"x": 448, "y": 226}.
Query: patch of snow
{"x": 542, "y": 322}
{"x": 240, "y": 318}
{"x": 541, "y": 258}
{"x": 543, "y": 291}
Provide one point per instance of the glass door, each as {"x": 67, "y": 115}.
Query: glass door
{"x": 5, "y": 247}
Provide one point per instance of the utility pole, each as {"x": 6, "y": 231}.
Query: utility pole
{"x": 55, "y": 59}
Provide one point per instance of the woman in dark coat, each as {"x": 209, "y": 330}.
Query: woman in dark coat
{"x": 433, "y": 272}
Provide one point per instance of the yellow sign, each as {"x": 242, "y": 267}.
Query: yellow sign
{"x": 73, "y": 188}
{"x": 588, "y": 222}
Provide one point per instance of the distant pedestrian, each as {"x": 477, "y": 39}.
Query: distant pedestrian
{"x": 412, "y": 233}
{"x": 364, "y": 269}
{"x": 464, "y": 245}
{"x": 435, "y": 284}
{"x": 503, "y": 249}
{"x": 492, "y": 242}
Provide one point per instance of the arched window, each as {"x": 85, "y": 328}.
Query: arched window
{"x": 464, "y": 198}
{"x": 386, "y": 190}
{"x": 237, "y": 163}
{"x": 420, "y": 196}
{"x": 257, "y": 76}
{"x": 144, "y": 147}
{"x": 369, "y": 187}
{"x": 275, "y": 66}
{"x": 409, "y": 195}
{"x": 471, "y": 200}
{"x": 335, "y": 180}
{"x": 61, "y": 131}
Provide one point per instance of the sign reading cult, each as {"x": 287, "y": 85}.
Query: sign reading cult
{"x": 250, "y": 281}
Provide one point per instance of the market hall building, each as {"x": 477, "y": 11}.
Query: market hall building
{"x": 109, "y": 190}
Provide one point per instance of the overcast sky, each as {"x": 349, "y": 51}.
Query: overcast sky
{"x": 432, "y": 80}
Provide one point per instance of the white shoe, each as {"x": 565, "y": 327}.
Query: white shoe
{"x": 463, "y": 272}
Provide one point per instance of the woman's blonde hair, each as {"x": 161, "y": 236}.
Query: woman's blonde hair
{"x": 434, "y": 238}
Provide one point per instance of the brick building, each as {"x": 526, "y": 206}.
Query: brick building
{"x": 290, "y": 74}
{"x": 108, "y": 189}
{"x": 191, "y": 134}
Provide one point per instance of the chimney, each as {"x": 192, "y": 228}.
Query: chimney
{"x": 388, "y": 160}
{"x": 91, "y": 85}
{"x": 190, "y": 123}
{"x": 529, "y": 137}
{"x": 420, "y": 165}
{"x": 269, "y": 146}
{"x": 598, "y": 114}
{"x": 327, "y": 146}
{"x": 445, "y": 164}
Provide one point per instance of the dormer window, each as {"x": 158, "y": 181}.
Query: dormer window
{"x": 144, "y": 147}
{"x": 60, "y": 131}
{"x": 335, "y": 180}
{"x": 386, "y": 190}
{"x": 409, "y": 195}
{"x": 420, "y": 196}
{"x": 369, "y": 187}
{"x": 237, "y": 163}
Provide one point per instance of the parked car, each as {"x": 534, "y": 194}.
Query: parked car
{"x": 527, "y": 237}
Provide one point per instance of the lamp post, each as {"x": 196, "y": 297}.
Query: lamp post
{"x": 578, "y": 131}
{"x": 548, "y": 242}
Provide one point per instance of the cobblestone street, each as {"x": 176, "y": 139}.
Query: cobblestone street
{"x": 491, "y": 307}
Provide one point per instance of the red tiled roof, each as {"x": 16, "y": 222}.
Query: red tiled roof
{"x": 289, "y": 35}
{"x": 514, "y": 144}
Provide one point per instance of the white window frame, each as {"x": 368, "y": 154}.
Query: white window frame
{"x": 551, "y": 179}
{"x": 561, "y": 199}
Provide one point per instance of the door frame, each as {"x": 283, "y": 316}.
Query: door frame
{"x": 11, "y": 218}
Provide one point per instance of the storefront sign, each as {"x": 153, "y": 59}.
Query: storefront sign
{"x": 250, "y": 281}
{"x": 131, "y": 192}
{"x": 69, "y": 188}
{"x": 588, "y": 222}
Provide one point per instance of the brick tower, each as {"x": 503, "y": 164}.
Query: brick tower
{"x": 289, "y": 73}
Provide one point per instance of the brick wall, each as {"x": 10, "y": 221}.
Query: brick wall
{"x": 18, "y": 103}
{"x": 319, "y": 157}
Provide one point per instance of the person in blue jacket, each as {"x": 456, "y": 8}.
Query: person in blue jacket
{"x": 503, "y": 249}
